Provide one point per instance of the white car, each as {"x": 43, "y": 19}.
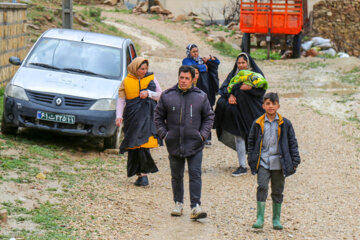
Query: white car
{"x": 69, "y": 83}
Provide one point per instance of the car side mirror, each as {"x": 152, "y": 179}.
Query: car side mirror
{"x": 15, "y": 61}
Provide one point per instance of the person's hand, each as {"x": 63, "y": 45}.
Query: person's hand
{"x": 118, "y": 121}
{"x": 205, "y": 59}
{"x": 245, "y": 87}
{"x": 232, "y": 99}
{"x": 144, "y": 94}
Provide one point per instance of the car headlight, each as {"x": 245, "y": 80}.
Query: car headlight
{"x": 16, "y": 92}
{"x": 104, "y": 105}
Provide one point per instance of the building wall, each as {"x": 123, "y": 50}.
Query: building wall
{"x": 12, "y": 37}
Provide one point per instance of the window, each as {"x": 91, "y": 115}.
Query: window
{"x": 133, "y": 52}
{"x": 63, "y": 54}
{"x": 128, "y": 56}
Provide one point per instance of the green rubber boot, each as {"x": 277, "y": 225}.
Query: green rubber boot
{"x": 260, "y": 215}
{"x": 276, "y": 216}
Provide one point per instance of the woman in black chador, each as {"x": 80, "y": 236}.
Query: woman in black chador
{"x": 236, "y": 111}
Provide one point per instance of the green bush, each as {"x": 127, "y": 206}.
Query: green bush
{"x": 95, "y": 13}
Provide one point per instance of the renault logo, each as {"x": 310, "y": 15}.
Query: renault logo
{"x": 58, "y": 101}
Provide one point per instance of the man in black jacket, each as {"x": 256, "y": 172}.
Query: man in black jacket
{"x": 183, "y": 118}
{"x": 272, "y": 154}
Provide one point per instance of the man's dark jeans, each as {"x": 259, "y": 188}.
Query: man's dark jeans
{"x": 177, "y": 165}
{"x": 277, "y": 185}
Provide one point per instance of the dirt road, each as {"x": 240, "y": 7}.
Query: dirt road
{"x": 321, "y": 199}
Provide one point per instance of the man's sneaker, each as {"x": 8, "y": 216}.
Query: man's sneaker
{"x": 197, "y": 213}
{"x": 240, "y": 171}
{"x": 178, "y": 209}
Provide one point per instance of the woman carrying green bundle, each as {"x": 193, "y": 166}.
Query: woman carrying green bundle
{"x": 239, "y": 105}
{"x": 250, "y": 78}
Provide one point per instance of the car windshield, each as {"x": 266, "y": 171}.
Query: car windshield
{"x": 79, "y": 57}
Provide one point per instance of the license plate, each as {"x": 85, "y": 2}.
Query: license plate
{"x": 54, "y": 117}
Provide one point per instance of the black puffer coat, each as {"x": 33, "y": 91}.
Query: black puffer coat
{"x": 288, "y": 146}
{"x": 184, "y": 120}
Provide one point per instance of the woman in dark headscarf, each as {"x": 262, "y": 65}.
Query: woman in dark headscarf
{"x": 208, "y": 80}
{"x": 138, "y": 94}
{"x": 197, "y": 74}
{"x": 236, "y": 111}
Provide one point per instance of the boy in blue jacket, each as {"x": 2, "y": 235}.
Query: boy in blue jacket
{"x": 272, "y": 155}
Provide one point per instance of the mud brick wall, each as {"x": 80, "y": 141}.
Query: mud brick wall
{"x": 12, "y": 37}
{"x": 339, "y": 20}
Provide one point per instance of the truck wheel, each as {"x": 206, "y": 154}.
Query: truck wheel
{"x": 113, "y": 142}
{"x": 297, "y": 45}
{"x": 245, "y": 44}
{"x": 7, "y": 129}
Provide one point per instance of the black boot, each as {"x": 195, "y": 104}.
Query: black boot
{"x": 138, "y": 181}
{"x": 142, "y": 181}
{"x": 145, "y": 181}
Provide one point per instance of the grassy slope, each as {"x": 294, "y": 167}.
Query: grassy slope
{"x": 47, "y": 14}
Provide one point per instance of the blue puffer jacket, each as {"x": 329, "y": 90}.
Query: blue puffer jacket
{"x": 191, "y": 61}
{"x": 288, "y": 146}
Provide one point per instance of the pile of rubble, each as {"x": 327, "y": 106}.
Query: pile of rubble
{"x": 85, "y": 2}
{"x": 235, "y": 26}
{"x": 234, "y": 31}
{"x": 339, "y": 21}
{"x": 111, "y": 2}
{"x": 319, "y": 46}
{"x": 157, "y": 8}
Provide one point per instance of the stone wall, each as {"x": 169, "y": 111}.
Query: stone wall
{"x": 339, "y": 20}
{"x": 12, "y": 37}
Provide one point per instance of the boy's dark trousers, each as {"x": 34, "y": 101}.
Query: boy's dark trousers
{"x": 277, "y": 185}
{"x": 177, "y": 165}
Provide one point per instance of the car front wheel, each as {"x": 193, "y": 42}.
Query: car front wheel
{"x": 6, "y": 128}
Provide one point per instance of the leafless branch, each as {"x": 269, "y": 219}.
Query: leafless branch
{"x": 231, "y": 11}
{"x": 210, "y": 13}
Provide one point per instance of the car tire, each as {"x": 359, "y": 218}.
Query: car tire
{"x": 297, "y": 45}
{"x": 245, "y": 43}
{"x": 114, "y": 141}
{"x": 6, "y": 128}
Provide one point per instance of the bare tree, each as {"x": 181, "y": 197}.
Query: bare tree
{"x": 210, "y": 13}
{"x": 231, "y": 11}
